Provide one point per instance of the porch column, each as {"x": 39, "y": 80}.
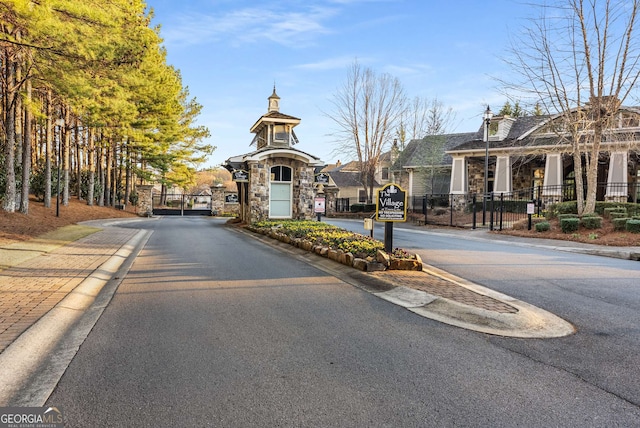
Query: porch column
{"x": 552, "y": 184}
{"x": 459, "y": 180}
{"x": 617, "y": 179}
{"x": 502, "y": 182}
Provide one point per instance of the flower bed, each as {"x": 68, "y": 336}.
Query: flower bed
{"x": 338, "y": 244}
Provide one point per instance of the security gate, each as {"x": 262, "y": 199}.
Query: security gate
{"x": 180, "y": 204}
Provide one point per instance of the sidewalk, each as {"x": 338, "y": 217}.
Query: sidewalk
{"x": 41, "y": 273}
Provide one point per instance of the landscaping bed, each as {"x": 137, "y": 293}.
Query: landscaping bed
{"x": 612, "y": 225}
{"x": 349, "y": 248}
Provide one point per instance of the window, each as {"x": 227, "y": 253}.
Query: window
{"x": 538, "y": 179}
{"x": 362, "y": 196}
{"x": 493, "y": 128}
{"x": 281, "y": 173}
{"x": 385, "y": 173}
{"x": 280, "y": 134}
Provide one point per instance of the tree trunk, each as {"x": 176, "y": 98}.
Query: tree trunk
{"x": 66, "y": 157}
{"x": 577, "y": 171}
{"x": 127, "y": 179}
{"x": 9, "y": 203}
{"x": 48, "y": 151}
{"x": 91, "y": 167}
{"x": 26, "y": 153}
{"x": 107, "y": 176}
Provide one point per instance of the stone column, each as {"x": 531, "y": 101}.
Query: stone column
{"x": 145, "y": 200}
{"x": 331, "y": 194}
{"x": 217, "y": 200}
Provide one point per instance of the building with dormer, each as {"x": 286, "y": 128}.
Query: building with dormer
{"x": 276, "y": 180}
{"x": 534, "y": 152}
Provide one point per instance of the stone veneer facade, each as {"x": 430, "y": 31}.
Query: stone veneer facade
{"x": 303, "y": 190}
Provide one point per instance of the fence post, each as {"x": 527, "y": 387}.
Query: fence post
{"x": 473, "y": 211}
{"x": 539, "y": 200}
{"x": 491, "y": 214}
{"x": 501, "y": 210}
{"x": 424, "y": 208}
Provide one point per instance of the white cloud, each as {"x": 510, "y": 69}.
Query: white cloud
{"x": 287, "y": 27}
{"x": 340, "y": 62}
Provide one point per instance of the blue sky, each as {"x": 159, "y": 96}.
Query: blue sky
{"x": 231, "y": 52}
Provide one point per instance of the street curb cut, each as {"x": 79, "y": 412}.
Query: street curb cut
{"x": 34, "y": 363}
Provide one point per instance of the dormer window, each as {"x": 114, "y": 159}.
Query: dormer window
{"x": 499, "y": 127}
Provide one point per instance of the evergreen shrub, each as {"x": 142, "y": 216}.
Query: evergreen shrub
{"x": 567, "y": 215}
{"x": 592, "y": 222}
{"x": 633, "y": 226}
{"x": 543, "y": 226}
{"x": 619, "y": 223}
{"x": 569, "y": 225}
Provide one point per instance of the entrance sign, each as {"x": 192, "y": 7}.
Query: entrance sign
{"x": 322, "y": 178}
{"x": 391, "y": 204}
{"x": 240, "y": 175}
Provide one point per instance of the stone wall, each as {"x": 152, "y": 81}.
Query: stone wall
{"x": 145, "y": 201}
{"x": 303, "y": 191}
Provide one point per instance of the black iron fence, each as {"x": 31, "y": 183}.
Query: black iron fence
{"x": 502, "y": 210}
{"x": 342, "y": 205}
{"x": 181, "y": 204}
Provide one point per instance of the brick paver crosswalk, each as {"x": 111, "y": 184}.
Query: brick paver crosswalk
{"x": 32, "y": 288}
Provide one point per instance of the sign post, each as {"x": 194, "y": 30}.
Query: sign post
{"x": 319, "y": 206}
{"x": 391, "y": 206}
{"x": 531, "y": 209}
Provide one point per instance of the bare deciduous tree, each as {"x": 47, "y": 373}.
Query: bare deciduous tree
{"x": 580, "y": 60}
{"x": 368, "y": 109}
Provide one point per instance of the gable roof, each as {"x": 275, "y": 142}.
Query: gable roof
{"x": 346, "y": 175}
{"x": 416, "y": 153}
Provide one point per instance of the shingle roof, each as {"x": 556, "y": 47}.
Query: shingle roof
{"x": 346, "y": 175}
{"x": 417, "y": 152}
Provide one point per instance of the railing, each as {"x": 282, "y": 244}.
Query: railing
{"x": 504, "y": 209}
{"x": 342, "y": 205}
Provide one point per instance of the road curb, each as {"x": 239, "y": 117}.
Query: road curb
{"x": 32, "y": 365}
{"x": 528, "y": 322}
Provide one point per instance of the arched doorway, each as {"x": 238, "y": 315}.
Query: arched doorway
{"x": 280, "y": 192}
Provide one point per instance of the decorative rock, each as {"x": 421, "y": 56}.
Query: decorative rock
{"x": 333, "y": 255}
{"x": 375, "y": 266}
{"x": 360, "y": 264}
{"x": 405, "y": 264}
{"x": 382, "y": 257}
{"x": 347, "y": 259}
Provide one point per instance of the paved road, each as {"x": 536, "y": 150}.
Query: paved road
{"x": 212, "y": 328}
{"x": 599, "y": 295}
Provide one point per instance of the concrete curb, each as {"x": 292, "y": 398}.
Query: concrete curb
{"x": 528, "y": 322}
{"x": 32, "y": 365}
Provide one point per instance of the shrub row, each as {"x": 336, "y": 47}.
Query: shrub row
{"x": 602, "y": 208}
{"x": 629, "y": 224}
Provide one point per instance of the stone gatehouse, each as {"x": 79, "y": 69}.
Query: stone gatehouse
{"x": 276, "y": 181}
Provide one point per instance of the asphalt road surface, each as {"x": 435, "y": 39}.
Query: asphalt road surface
{"x": 213, "y": 328}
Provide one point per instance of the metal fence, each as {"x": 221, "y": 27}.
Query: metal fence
{"x": 342, "y": 205}
{"x": 502, "y": 210}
